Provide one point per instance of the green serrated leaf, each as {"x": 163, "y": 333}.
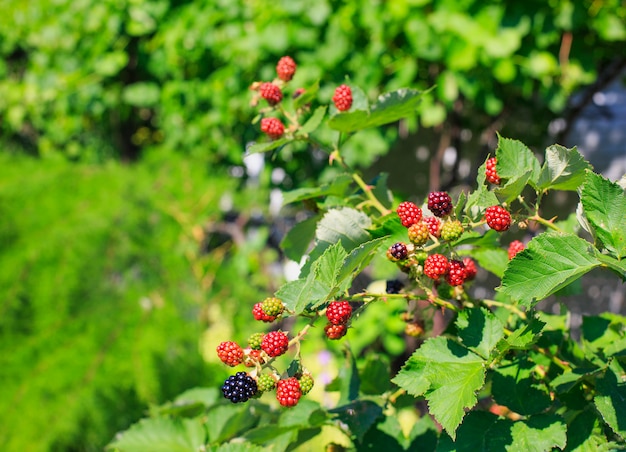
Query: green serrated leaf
{"x": 584, "y": 434}
{"x": 567, "y": 380}
{"x": 479, "y": 330}
{"x": 345, "y": 225}
{"x": 459, "y": 206}
{"x": 389, "y": 107}
{"x": 538, "y": 433}
{"x": 257, "y": 148}
{"x": 602, "y": 330}
{"x": 514, "y": 386}
{"x": 448, "y": 375}
{"x": 604, "y": 203}
{"x": 619, "y": 267}
{"x": 297, "y": 241}
{"x": 224, "y": 422}
{"x": 375, "y": 375}
{"x": 359, "y": 416}
{"x": 525, "y": 336}
{"x": 381, "y": 190}
{"x": 563, "y": 169}
{"x": 479, "y": 200}
{"x": 337, "y": 187}
{"x": 513, "y": 187}
{"x": 162, "y": 434}
{"x": 515, "y": 159}
{"x": 296, "y": 295}
{"x": 313, "y": 122}
{"x": 328, "y": 267}
{"x": 493, "y": 260}
{"x": 467, "y": 440}
{"x": 359, "y": 258}
{"x": 550, "y": 261}
{"x": 610, "y": 399}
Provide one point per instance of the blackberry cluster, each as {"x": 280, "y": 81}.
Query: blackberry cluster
{"x": 470, "y": 268}
{"x": 456, "y": 273}
{"x": 288, "y": 392}
{"x": 259, "y": 313}
{"x": 338, "y": 312}
{"x": 230, "y": 353}
{"x": 335, "y": 332}
{"x": 439, "y": 203}
{"x": 239, "y": 387}
{"x": 275, "y": 343}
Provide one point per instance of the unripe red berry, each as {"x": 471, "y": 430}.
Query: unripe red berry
{"x": 272, "y": 306}
{"x": 259, "y": 314}
{"x": 409, "y": 213}
{"x": 335, "y": 332}
{"x": 515, "y": 247}
{"x": 275, "y": 343}
{"x": 230, "y": 353}
{"x": 338, "y": 312}
{"x": 490, "y": 171}
{"x": 273, "y": 127}
{"x": 288, "y": 392}
{"x": 498, "y": 218}
{"x": 343, "y": 98}
{"x": 271, "y": 93}
{"x": 470, "y": 268}
{"x": 434, "y": 226}
{"x": 436, "y": 266}
{"x": 456, "y": 273}
{"x": 286, "y": 68}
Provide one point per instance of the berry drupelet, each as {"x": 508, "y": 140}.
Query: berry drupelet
{"x": 515, "y": 247}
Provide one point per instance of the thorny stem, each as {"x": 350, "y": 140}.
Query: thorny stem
{"x": 547, "y": 223}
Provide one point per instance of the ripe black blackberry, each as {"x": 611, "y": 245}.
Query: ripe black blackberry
{"x": 439, "y": 203}
{"x": 394, "y": 286}
{"x": 239, "y": 387}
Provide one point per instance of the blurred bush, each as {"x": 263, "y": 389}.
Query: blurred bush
{"x": 99, "y": 79}
{"x": 109, "y": 275}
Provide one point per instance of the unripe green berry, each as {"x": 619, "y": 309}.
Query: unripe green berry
{"x": 272, "y": 306}
{"x": 266, "y": 382}
{"x": 306, "y": 383}
{"x": 254, "y": 341}
{"x": 421, "y": 256}
{"x": 451, "y": 230}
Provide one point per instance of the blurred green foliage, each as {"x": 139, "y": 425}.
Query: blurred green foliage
{"x": 100, "y": 79}
{"x": 105, "y": 293}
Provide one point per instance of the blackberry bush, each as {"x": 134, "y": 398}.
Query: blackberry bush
{"x": 493, "y": 368}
